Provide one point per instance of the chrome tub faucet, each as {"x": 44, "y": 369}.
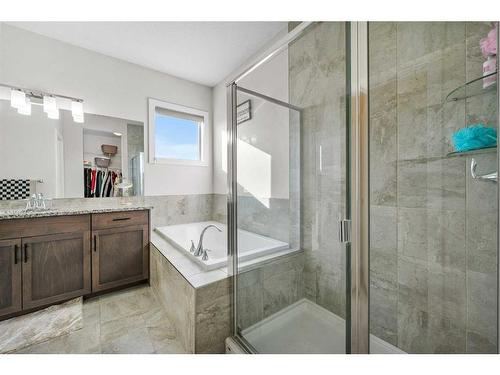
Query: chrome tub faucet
{"x": 199, "y": 249}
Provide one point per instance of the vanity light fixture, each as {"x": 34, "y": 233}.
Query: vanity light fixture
{"x": 22, "y": 99}
{"x": 117, "y": 134}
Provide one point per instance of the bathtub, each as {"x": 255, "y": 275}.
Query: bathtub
{"x": 250, "y": 245}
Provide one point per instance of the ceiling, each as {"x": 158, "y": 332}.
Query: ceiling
{"x": 203, "y": 52}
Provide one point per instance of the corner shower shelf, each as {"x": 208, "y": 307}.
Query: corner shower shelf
{"x": 479, "y": 151}
{"x": 471, "y": 88}
{"x": 454, "y": 154}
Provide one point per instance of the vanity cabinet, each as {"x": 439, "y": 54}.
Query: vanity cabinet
{"x": 43, "y": 261}
{"x": 120, "y": 253}
{"x": 49, "y": 260}
{"x": 55, "y": 268}
{"x": 10, "y": 277}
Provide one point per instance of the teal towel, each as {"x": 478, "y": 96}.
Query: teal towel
{"x": 474, "y": 137}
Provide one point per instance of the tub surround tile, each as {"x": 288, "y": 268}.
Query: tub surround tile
{"x": 204, "y": 278}
{"x": 200, "y": 314}
{"x": 213, "y": 316}
{"x": 273, "y": 221}
{"x": 180, "y": 209}
{"x": 176, "y": 295}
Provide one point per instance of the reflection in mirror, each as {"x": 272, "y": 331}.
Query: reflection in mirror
{"x": 102, "y": 157}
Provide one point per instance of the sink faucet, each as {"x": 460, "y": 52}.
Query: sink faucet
{"x": 199, "y": 249}
{"x": 36, "y": 202}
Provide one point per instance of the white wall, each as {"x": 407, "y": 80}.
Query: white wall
{"x": 263, "y": 155}
{"x": 109, "y": 87}
{"x": 34, "y": 156}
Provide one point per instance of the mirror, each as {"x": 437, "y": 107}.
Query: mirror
{"x": 101, "y": 157}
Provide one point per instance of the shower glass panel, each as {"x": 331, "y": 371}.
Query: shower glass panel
{"x": 291, "y": 174}
{"x": 433, "y": 227}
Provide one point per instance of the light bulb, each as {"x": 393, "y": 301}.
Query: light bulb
{"x": 53, "y": 115}
{"x": 49, "y": 104}
{"x": 17, "y": 98}
{"x": 77, "y": 109}
{"x": 25, "y": 109}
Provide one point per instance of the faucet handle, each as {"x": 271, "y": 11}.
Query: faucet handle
{"x": 205, "y": 254}
{"x": 29, "y": 203}
{"x": 193, "y": 248}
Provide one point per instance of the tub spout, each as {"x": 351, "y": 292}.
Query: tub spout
{"x": 199, "y": 248}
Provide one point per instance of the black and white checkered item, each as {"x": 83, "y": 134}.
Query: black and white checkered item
{"x": 14, "y": 189}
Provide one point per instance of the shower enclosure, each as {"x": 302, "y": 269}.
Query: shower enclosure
{"x": 340, "y": 146}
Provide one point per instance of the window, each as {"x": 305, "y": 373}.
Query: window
{"x": 177, "y": 134}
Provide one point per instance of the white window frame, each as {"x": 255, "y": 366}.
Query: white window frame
{"x": 204, "y": 128}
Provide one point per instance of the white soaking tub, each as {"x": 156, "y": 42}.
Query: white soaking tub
{"x": 250, "y": 245}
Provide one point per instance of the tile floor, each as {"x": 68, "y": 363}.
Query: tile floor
{"x": 126, "y": 322}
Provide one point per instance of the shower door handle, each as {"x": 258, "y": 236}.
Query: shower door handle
{"x": 345, "y": 231}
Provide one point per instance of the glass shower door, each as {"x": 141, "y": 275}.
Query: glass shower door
{"x": 291, "y": 284}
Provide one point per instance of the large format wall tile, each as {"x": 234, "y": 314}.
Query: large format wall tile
{"x": 442, "y": 222}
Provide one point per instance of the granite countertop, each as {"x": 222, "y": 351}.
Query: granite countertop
{"x": 63, "y": 211}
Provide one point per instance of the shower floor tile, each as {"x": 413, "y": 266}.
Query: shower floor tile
{"x": 306, "y": 328}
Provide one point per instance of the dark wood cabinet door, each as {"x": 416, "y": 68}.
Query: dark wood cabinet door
{"x": 120, "y": 256}
{"x": 55, "y": 268}
{"x": 10, "y": 277}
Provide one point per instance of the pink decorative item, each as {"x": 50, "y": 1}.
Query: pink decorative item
{"x": 489, "y": 50}
{"x": 489, "y": 66}
{"x": 489, "y": 44}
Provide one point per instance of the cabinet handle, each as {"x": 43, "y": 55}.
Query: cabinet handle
{"x": 16, "y": 259}
{"x": 121, "y": 218}
{"x": 95, "y": 242}
{"x": 25, "y": 253}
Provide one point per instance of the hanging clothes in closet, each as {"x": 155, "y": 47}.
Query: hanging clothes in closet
{"x": 99, "y": 183}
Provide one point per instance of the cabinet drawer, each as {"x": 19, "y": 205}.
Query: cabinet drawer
{"x": 41, "y": 226}
{"x": 119, "y": 219}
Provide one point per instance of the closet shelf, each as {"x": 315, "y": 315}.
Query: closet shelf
{"x": 472, "y": 88}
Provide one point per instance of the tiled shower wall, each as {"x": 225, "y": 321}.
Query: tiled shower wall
{"x": 433, "y": 228}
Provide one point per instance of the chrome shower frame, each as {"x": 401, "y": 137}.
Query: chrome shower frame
{"x": 357, "y": 338}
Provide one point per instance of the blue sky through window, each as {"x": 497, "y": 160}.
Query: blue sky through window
{"x": 176, "y": 138}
